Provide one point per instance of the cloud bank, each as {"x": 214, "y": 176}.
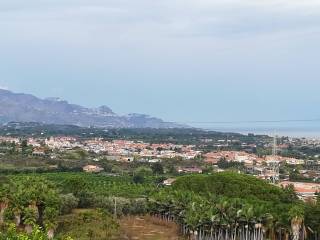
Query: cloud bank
{"x": 223, "y": 59}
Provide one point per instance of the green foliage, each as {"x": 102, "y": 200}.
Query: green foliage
{"x": 138, "y": 179}
{"x": 68, "y": 202}
{"x": 74, "y": 184}
{"x": 157, "y": 168}
{"x": 227, "y": 201}
{"x": 34, "y": 200}
{"x": 312, "y": 216}
{"x": 100, "y": 185}
{"x": 24, "y": 146}
{"x": 232, "y": 185}
{"x": 36, "y": 234}
{"x": 122, "y": 206}
{"x": 290, "y": 192}
{"x": 296, "y": 212}
{"x": 144, "y": 171}
{"x": 295, "y": 176}
{"x": 221, "y": 199}
{"x": 224, "y": 164}
{"x": 30, "y": 216}
{"x": 86, "y": 224}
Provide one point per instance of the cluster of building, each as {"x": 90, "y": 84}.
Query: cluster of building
{"x": 266, "y": 167}
{"x": 62, "y": 143}
{"x": 140, "y": 149}
{"x": 9, "y": 139}
{"x": 120, "y": 149}
{"x": 263, "y": 167}
{"x": 305, "y": 191}
{"x": 248, "y": 158}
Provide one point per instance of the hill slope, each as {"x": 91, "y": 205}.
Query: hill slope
{"x": 19, "y": 107}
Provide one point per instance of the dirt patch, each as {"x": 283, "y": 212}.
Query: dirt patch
{"x": 148, "y": 228}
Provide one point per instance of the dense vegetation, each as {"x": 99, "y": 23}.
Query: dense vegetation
{"x": 234, "y": 206}
{"x": 28, "y": 202}
{"x": 170, "y": 135}
{"x": 217, "y": 206}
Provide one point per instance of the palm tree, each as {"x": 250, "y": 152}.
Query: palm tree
{"x": 29, "y": 219}
{"x": 297, "y": 217}
{"x": 50, "y": 215}
{"x": 17, "y": 215}
{"x": 4, "y": 201}
{"x": 36, "y": 200}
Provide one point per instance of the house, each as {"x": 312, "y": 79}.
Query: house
{"x": 169, "y": 181}
{"x": 127, "y": 159}
{"x": 154, "y": 160}
{"x": 92, "y": 169}
{"x": 304, "y": 190}
{"x": 190, "y": 170}
{"x": 293, "y": 161}
{"x": 38, "y": 152}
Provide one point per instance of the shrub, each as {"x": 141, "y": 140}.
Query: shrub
{"x": 68, "y": 203}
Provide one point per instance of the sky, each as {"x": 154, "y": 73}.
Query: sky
{"x": 181, "y": 60}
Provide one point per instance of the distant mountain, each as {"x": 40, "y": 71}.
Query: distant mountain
{"x": 20, "y": 107}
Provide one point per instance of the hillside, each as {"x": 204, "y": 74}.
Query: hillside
{"x": 20, "y": 107}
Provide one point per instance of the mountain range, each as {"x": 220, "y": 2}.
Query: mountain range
{"x": 20, "y": 107}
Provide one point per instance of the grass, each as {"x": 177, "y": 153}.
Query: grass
{"x": 88, "y": 224}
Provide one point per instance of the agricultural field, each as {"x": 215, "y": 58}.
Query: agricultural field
{"x": 101, "y": 185}
{"x": 114, "y": 207}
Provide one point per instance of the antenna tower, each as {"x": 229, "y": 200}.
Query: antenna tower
{"x": 275, "y": 162}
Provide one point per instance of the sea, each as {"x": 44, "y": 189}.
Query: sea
{"x": 290, "y": 129}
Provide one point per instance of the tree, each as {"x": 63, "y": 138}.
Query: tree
{"x": 138, "y": 179}
{"x": 36, "y": 234}
{"x": 13, "y": 148}
{"x": 4, "y": 201}
{"x": 289, "y": 190}
{"x": 312, "y": 216}
{"x": 29, "y": 219}
{"x": 24, "y": 146}
{"x": 144, "y": 171}
{"x": 50, "y": 221}
{"x": 172, "y": 170}
{"x": 233, "y": 206}
{"x": 81, "y": 153}
{"x": 159, "y": 149}
{"x": 36, "y": 199}
{"x": 110, "y": 225}
{"x": 157, "y": 168}
{"x": 75, "y": 185}
{"x": 68, "y": 202}
{"x": 297, "y": 216}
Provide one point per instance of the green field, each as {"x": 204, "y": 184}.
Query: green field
{"x": 229, "y": 204}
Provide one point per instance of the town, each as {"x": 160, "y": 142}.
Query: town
{"x": 280, "y": 161}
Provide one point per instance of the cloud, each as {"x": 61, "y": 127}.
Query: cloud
{"x": 164, "y": 19}
{"x": 3, "y": 87}
{"x": 159, "y": 51}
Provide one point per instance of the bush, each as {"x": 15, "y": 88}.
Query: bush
{"x": 68, "y": 203}
{"x": 37, "y": 234}
{"x": 124, "y": 206}
{"x": 138, "y": 206}
{"x": 86, "y": 199}
{"x": 138, "y": 179}
{"x": 144, "y": 171}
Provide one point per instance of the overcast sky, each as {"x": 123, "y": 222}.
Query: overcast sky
{"x": 182, "y": 60}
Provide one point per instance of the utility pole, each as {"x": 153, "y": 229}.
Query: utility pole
{"x": 227, "y": 140}
{"x": 275, "y": 163}
{"x": 115, "y": 207}
{"x": 274, "y": 147}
